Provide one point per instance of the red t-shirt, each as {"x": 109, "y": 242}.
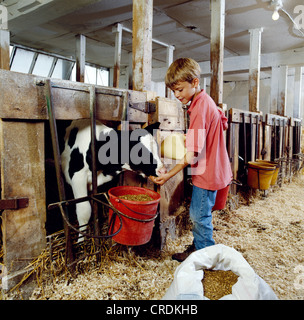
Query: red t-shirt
{"x": 211, "y": 170}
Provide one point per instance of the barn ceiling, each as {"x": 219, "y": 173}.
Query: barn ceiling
{"x": 51, "y": 25}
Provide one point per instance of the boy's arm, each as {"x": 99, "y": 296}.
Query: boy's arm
{"x": 189, "y": 156}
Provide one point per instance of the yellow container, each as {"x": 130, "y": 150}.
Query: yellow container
{"x": 276, "y": 172}
{"x": 260, "y": 175}
{"x": 173, "y": 146}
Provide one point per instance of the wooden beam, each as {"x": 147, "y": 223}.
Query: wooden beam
{"x": 4, "y": 49}
{"x": 254, "y": 69}
{"x": 117, "y": 57}
{"x": 80, "y": 57}
{"x": 22, "y": 96}
{"x": 217, "y": 49}
{"x": 142, "y": 44}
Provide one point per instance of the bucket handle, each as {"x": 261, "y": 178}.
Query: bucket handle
{"x": 140, "y": 213}
{"x": 237, "y": 182}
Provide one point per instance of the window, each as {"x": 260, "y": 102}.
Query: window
{"x": 44, "y": 64}
{"x": 22, "y": 60}
{"x": 62, "y": 69}
{"x": 94, "y": 75}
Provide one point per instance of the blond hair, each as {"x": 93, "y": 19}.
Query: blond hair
{"x": 183, "y": 69}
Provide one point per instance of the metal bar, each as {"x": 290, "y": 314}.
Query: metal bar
{"x": 14, "y": 204}
{"x": 94, "y": 158}
{"x": 57, "y": 160}
{"x": 153, "y": 40}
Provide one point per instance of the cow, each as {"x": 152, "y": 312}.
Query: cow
{"x": 116, "y": 151}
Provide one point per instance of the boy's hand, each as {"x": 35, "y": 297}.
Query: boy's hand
{"x": 161, "y": 179}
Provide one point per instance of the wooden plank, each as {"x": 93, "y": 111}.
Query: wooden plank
{"x": 236, "y": 115}
{"x": 170, "y": 114}
{"x": 23, "y": 97}
{"x": 269, "y": 118}
{"x": 4, "y": 49}
{"x": 22, "y": 175}
{"x": 142, "y": 44}
{"x": 172, "y": 192}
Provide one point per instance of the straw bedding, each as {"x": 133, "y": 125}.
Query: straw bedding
{"x": 268, "y": 232}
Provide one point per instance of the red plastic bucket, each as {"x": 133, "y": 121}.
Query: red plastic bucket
{"x": 221, "y": 198}
{"x": 137, "y": 216}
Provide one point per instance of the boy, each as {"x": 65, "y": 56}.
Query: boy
{"x": 206, "y": 150}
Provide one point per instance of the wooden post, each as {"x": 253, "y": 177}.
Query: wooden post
{"x": 279, "y": 90}
{"x": 297, "y": 92}
{"x": 142, "y": 44}
{"x": 22, "y": 175}
{"x": 80, "y": 57}
{"x": 118, "y": 39}
{"x": 254, "y": 69}
{"x": 274, "y": 90}
{"x": 233, "y": 151}
{"x": 217, "y": 49}
{"x": 169, "y": 60}
{"x": 283, "y": 84}
{"x": 4, "y": 49}
{"x": 130, "y": 72}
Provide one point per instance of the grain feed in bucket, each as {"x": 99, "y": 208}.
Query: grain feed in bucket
{"x": 137, "y": 216}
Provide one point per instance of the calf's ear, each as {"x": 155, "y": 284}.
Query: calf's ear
{"x": 151, "y": 127}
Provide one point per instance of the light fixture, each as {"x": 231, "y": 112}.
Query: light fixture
{"x": 275, "y": 15}
{"x": 276, "y": 5}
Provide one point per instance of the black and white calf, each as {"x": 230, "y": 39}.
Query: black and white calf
{"x": 116, "y": 151}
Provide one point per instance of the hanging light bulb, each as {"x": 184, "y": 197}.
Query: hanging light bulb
{"x": 276, "y": 5}
{"x": 275, "y": 15}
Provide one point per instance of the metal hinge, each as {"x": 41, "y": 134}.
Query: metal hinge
{"x": 14, "y": 203}
{"x": 145, "y": 106}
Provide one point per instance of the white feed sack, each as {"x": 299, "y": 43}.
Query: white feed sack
{"x": 187, "y": 283}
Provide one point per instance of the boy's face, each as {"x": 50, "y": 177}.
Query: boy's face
{"x": 185, "y": 91}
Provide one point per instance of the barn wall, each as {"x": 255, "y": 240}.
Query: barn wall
{"x": 236, "y": 95}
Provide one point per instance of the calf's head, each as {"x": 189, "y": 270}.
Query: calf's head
{"x": 135, "y": 150}
{"x": 144, "y": 152}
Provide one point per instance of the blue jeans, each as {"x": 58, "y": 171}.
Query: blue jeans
{"x": 200, "y": 214}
